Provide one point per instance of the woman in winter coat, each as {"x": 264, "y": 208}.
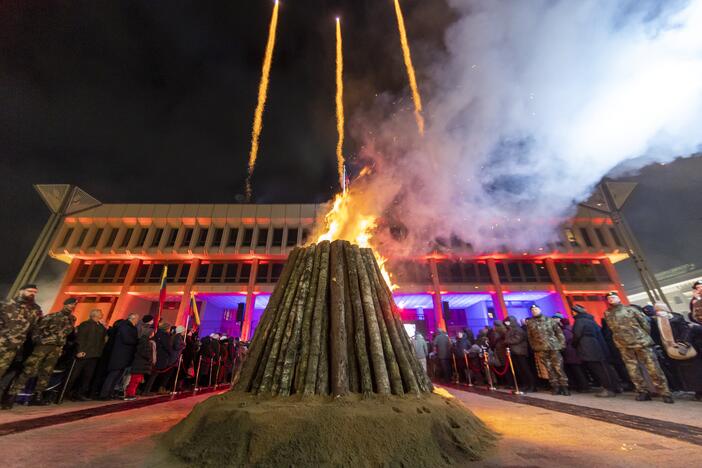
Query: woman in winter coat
{"x": 144, "y": 360}
{"x": 516, "y": 340}
{"x": 571, "y": 360}
{"x": 593, "y": 350}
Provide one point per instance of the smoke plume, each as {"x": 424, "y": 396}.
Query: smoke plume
{"x": 531, "y": 104}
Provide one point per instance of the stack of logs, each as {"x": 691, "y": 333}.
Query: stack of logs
{"x": 331, "y": 327}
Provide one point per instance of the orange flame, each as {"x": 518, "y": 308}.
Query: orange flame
{"x": 342, "y": 222}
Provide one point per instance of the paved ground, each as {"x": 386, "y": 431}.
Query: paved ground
{"x": 531, "y": 436}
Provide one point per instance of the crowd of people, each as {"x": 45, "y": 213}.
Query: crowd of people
{"x": 44, "y": 358}
{"x": 649, "y": 350}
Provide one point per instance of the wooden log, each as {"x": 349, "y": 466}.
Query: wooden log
{"x": 388, "y": 351}
{"x": 257, "y": 347}
{"x": 406, "y": 370}
{"x": 322, "y": 387}
{"x": 375, "y": 345}
{"x": 358, "y": 323}
{"x": 307, "y": 290}
{"x": 310, "y": 379}
{"x": 285, "y": 304}
{"x": 277, "y": 339}
{"x": 421, "y": 376}
{"x": 301, "y": 368}
{"x": 338, "y": 365}
{"x": 351, "y": 359}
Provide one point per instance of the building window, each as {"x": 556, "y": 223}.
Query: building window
{"x": 96, "y": 238}
{"x": 217, "y": 238}
{"x": 233, "y": 235}
{"x": 262, "y": 273}
{"x": 276, "y": 270}
{"x": 600, "y": 237}
{"x": 262, "y": 239}
{"x": 586, "y": 237}
{"x": 615, "y": 236}
{"x": 157, "y": 237}
{"x": 292, "y": 237}
{"x": 187, "y": 238}
{"x": 172, "y": 236}
{"x": 143, "y": 231}
{"x": 127, "y": 237}
{"x": 277, "y": 237}
{"x": 572, "y": 240}
{"x": 95, "y": 273}
{"x": 248, "y": 237}
{"x": 82, "y": 273}
{"x": 66, "y": 237}
{"x": 81, "y": 237}
{"x": 305, "y": 235}
{"x": 581, "y": 272}
{"x": 202, "y": 237}
{"x": 111, "y": 238}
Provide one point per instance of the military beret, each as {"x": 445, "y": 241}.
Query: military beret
{"x": 70, "y": 300}
{"x": 28, "y": 286}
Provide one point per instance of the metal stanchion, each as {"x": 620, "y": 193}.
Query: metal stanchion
{"x": 68, "y": 379}
{"x": 470, "y": 380}
{"x": 209, "y": 377}
{"x": 455, "y": 368}
{"x": 175, "y": 382}
{"x": 197, "y": 374}
{"x": 491, "y": 386}
{"x": 514, "y": 376}
{"x": 219, "y": 366}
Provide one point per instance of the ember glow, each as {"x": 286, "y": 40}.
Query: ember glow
{"x": 262, "y": 95}
{"x": 416, "y": 98}
{"x": 345, "y": 221}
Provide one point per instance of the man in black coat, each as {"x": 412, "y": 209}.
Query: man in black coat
{"x": 442, "y": 345}
{"x": 90, "y": 341}
{"x": 126, "y": 339}
{"x": 593, "y": 350}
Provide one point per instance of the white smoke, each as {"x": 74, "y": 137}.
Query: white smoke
{"x": 533, "y": 103}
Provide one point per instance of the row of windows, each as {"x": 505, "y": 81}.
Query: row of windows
{"x": 406, "y": 272}
{"x": 599, "y": 235}
{"x": 220, "y": 237}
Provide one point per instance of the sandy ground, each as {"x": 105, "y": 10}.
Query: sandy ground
{"x": 530, "y": 437}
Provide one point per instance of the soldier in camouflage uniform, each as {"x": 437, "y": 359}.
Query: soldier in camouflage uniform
{"x": 547, "y": 340}
{"x": 49, "y": 336}
{"x": 631, "y": 334}
{"x": 18, "y": 318}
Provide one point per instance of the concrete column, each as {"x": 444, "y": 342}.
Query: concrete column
{"x": 67, "y": 278}
{"x": 184, "y": 307}
{"x": 556, "y": 280}
{"x": 439, "y": 321}
{"x": 498, "y": 297}
{"x": 614, "y": 276}
{"x": 121, "y": 305}
{"x": 250, "y": 302}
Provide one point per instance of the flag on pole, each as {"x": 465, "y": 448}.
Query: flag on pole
{"x": 193, "y": 309}
{"x": 161, "y": 297}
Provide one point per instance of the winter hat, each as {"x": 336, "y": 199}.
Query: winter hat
{"x": 180, "y": 329}
{"x": 558, "y": 315}
{"x": 579, "y": 309}
{"x": 147, "y": 318}
{"x": 611, "y": 293}
{"x": 648, "y": 310}
{"x": 70, "y": 300}
{"x": 28, "y": 286}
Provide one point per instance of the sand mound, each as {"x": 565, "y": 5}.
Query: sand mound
{"x": 240, "y": 429}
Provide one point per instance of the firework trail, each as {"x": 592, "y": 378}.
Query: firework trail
{"x": 339, "y": 104}
{"x": 410, "y": 68}
{"x": 262, "y": 94}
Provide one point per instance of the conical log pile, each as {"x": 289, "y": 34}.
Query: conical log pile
{"x": 331, "y": 326}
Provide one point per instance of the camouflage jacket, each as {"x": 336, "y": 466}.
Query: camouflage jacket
{"x": 630, "y": 327}
{"x": 54, "y": 328}
{"x": 17, "y": 318}
{"x": 545, "y": 334}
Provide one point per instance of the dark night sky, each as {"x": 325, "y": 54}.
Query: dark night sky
{"x": 151, "y": 102}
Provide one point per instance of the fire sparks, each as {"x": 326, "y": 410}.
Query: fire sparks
{"x": 339, "y": 104}
{"x": 343, "y": 221}
{"x": 416, "y": 98}
{"x": 262, "y": 94}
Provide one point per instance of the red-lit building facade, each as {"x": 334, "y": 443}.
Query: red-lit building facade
{"x": 227, "y": 255}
